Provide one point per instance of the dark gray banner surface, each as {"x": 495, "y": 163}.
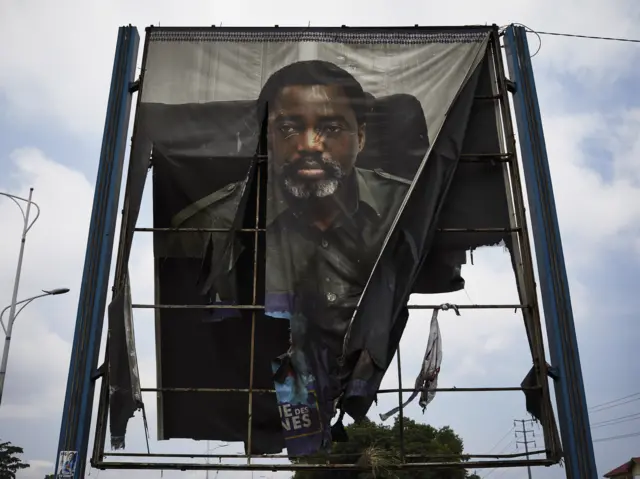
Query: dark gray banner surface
{"x": 301, "y": 180}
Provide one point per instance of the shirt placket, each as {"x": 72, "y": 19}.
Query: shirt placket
{"x": 328, "y": 279}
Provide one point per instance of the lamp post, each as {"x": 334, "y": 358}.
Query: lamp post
{"x": 26, "y": 226}
{"x": 9, "y": 327}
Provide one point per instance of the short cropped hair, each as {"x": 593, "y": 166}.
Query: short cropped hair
{"x": 314, "y": 72}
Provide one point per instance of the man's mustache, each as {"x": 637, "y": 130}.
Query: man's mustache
{"x": 313, "y": 163}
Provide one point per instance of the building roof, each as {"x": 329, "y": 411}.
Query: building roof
{"x": 624, "y": 468}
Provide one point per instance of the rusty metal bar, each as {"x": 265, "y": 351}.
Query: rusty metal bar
{"x": 497, "y": 156}
{"x": 454, "y": 389}
{"x": 478, "y": 230}
{"x": 486, "y": 158}
{"x": 196, "y": 306}
{"x": 353, "y": 454}
{"x": 470, "y": 306}
{"x": 259, "y": 230}
{"x": 523, "y": 257}
{"x": 185, "y": 466}
{"x": 503, "y": 156}
{"x": 487, "y": 97}
{"x": 208, "y": 390}
{"x": 254, "y": 300}
{"x": 197, "y": 230}
{"x": 260, "y": 307}
{"x": 400, "y": 408}
{"x": 381, "y": 391}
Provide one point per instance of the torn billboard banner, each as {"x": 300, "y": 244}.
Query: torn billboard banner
{"x": 362, "y": 131}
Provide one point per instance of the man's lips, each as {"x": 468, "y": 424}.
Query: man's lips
{"x": 311, "y": 173}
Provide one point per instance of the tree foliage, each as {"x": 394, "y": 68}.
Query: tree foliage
{"x": 10, "y": 462}
{"x": 376, "y": 447}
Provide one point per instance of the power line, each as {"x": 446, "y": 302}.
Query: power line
{"x": 504, "y": 449}
{"x": 614, "y": 403}
{"x": 509, "y": 444}
{"x": 590, "y": 37}
{"x": 616, "y": 420}
{"x": 615, "y": 400}
{"x": 502, "y": 439}
{"x": 613, "y": 438}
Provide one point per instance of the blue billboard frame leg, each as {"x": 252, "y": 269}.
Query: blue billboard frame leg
{"x": 78, "y": 404}
{"x": 571, "y": 401}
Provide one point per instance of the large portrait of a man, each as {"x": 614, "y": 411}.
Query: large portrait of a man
{"x": 326, "y": 218}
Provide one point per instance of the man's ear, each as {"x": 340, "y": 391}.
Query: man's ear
{"x": 361, "y": 136}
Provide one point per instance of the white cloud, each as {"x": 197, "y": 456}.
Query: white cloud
{"x": 611, "y": 204}
{"x": 54, "y": 252}
{"x": 59, "y": 71}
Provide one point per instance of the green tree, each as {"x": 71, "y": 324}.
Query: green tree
{"x": 49, "y": 476}
{"x": 376, "y": 447}
{"x": 10, "y": 463}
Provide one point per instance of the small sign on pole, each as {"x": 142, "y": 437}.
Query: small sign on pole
{"x": 67, "y": 464}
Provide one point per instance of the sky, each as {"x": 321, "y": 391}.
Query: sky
{"x": 56, "y": 62}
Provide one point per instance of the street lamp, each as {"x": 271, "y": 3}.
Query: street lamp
{"x": 26, "y": 226}
{"x": 9, "y": 327}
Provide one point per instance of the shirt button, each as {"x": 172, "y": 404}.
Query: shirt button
{"x": 331, "y": 297}
{"x": 324, "y": 243}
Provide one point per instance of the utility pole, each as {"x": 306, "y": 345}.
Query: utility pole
{"x": 524, "y": 431}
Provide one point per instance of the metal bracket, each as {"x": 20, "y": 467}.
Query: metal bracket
{"x": 553, "y": 373}
{"x": 511, "y": 86}
{"x": 100, "y": 372}
{"x": 134, "y": 86}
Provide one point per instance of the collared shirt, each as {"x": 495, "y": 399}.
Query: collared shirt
{"x": 320, "y": 272}
{"x": 319, "y": 275}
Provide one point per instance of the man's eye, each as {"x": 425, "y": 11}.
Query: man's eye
{"x": 288, "y": 129}
{"x": 333, "y": 129}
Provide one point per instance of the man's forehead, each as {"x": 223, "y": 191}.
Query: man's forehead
{"x": 297, "y": 96}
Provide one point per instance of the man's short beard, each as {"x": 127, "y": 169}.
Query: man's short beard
{"x": 307, "y": 189}
{"x": 300, "y": 188}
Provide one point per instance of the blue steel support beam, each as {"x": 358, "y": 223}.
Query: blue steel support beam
{"x": 78, "y": 404}
{"x": 563, "y": 344}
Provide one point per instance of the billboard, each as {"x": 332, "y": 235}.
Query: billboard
{"x": 305, "y": 183}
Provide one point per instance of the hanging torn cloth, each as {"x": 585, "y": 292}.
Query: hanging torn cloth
{"x": 427, "y": 380}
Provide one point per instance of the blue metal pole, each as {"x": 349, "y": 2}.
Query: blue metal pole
{"x": 78, "y": 404}
{"x": 563, "y": 344}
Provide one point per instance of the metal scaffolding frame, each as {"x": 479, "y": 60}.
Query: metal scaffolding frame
{"x": 77, "y": 413}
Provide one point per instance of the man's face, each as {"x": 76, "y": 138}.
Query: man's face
{"x": 314, "y": 139}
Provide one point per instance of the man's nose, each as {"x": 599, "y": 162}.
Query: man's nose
{"x": 311, "y": 140}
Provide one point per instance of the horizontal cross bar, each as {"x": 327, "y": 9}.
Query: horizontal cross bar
{"x": 486, "y": 157}
{"x": 478, "y": 230}
{"x": 196, "y": 306}
{"x": 488, "y": 97}
{"x": 197, "y": 230}
{"x": 469, "y": 306}
{"x": 319, "y": 467}
{"x": 380, "y": 391}
{"x": 462, "y": 157}
{"x": 329, "y": 456}
{"x": 259, "y": 307}
{"x": 254, "y": 230}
